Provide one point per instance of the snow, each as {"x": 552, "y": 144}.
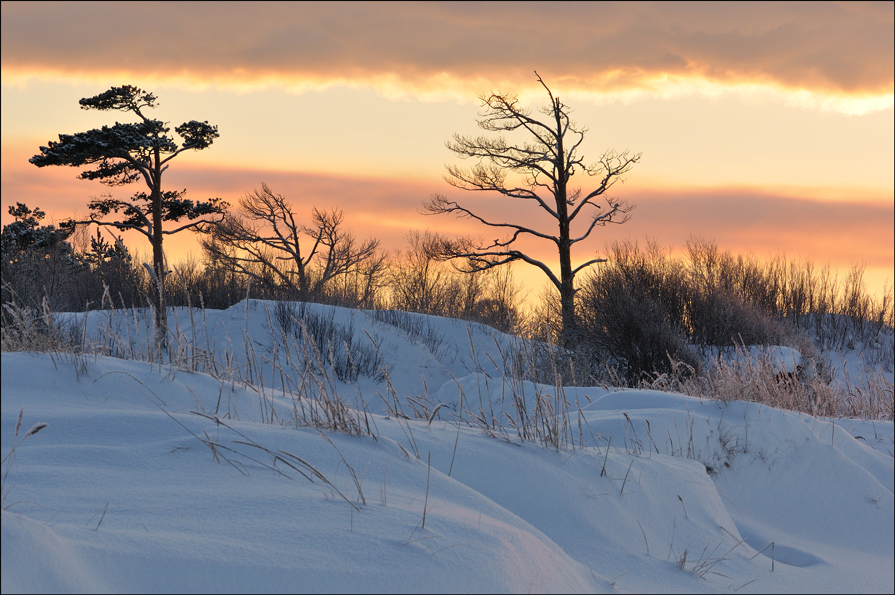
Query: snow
{"x": 150, "y": 478}
{"x": 785, "y": 360}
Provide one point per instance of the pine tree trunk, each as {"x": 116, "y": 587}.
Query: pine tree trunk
{"x": 158, "y": 265}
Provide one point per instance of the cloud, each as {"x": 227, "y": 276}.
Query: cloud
{"x": 838, "y": 49}
{"x": 841, "y": 232}
{"x": 764, "y": 223}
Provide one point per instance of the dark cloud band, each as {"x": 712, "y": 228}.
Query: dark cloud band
{"x": 835, "y": 47}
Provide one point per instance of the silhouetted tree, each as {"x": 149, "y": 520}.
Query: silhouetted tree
{"x": 37, "y": 258}
{"x": 542, "y": 165}
{"x": 265, "y": 242}
{"x": 126, "y": 153}
{"x": 27, "y": 233}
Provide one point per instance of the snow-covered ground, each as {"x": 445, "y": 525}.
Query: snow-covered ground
{"x": 186, "y": 479}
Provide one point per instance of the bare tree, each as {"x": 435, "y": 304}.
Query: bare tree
{"x": 265, "y": 242}
{"x": 542, "y": 167}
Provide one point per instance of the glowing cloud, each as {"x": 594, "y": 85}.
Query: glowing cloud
{"x": 820, "y": 56}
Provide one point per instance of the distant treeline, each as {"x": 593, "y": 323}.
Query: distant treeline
{"x": 638, "y": 313}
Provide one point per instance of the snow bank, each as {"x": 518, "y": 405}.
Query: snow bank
{"x": 153, "y": 479}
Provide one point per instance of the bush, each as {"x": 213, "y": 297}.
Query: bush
{"x": 633, "y": 313}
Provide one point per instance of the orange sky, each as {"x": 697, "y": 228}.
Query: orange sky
{"x": 766, "y": 127}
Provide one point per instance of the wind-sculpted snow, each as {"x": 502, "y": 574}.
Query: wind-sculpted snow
{"x": 419, "y": 352}
{"x": 157, "y": 479}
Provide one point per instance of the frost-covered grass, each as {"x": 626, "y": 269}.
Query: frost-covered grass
{"x": 778, "y": 376}
{"x": 461, "y": 460}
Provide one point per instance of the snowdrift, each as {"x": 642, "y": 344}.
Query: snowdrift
{"x": 153, "y": 478}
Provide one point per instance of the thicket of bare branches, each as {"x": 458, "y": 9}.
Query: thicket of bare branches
{"x": 645, "y": 311}
{"x": 69, "y": 282}
{"x": 420, "y": 282}
{"x": 634, "y": 312}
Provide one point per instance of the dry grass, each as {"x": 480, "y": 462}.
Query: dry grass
{"x": 24, "y": 329}
{"x": 758, "y": 379}
{"x": 9, "y": 458}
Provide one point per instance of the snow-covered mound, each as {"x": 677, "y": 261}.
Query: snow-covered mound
{"x": 157, "y": 478}
{"x": 264, "y": 342}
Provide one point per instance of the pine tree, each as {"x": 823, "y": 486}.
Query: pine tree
{"x": 131, "y": 152}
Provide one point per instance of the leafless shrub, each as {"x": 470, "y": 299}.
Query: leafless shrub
{"x": 419, "y": 282}
{"x": 633, "y": 312}
{"x": 644, "y": 306}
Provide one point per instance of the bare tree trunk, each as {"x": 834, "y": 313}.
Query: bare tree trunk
{"x": 567, "y": 301}
{"x": 566, "y": 275}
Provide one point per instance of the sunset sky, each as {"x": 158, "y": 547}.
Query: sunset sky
{"x": 767, "y": 127}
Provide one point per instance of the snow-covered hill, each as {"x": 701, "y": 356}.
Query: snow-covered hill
{"x": 207, "y": 476}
